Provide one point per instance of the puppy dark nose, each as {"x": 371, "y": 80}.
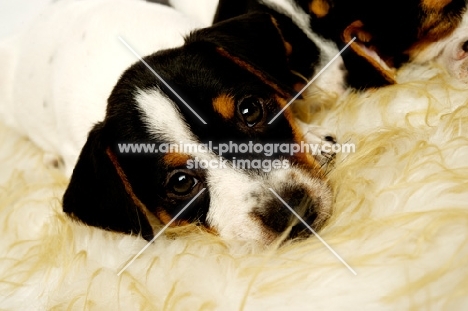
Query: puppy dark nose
{"x": 301, "y": 230}
{"x": 277, "y": 216}
{"x": 465, "y": 46}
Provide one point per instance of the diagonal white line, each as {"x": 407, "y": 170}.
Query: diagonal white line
{"x": 160, "y": 232}
{"x": 312, "y": 81}
{"x": 313, "y": 231}
{"x": 161, "y": 79}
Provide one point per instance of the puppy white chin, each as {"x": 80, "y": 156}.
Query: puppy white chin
{"x": 253, "y": 231}
{"x": 258, "y": 207}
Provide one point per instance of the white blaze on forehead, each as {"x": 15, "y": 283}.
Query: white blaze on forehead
{"x": 163, "y": 118}
{"x": 165, "y": 122}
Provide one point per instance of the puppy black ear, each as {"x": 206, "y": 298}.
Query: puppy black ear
{"x": 271, "y": 43}
{"x": 231, "y": 8}
{"x": 98, "y": 194}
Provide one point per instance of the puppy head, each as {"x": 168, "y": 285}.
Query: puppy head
{"x": 235, "y": 80}
{"x": 388, "y": 33}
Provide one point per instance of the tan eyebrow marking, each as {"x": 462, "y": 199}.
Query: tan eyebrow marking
{"x": 320, "y": 8}
{"x": 175, "y": 159}
{"x": 225, "y": 106}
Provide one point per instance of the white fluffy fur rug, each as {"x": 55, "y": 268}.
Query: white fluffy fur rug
{"x": 400, "y": 221}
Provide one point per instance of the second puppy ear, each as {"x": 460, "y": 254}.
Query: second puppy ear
{"x": 362, "y": 47}
{"x": 272, "y": 45}
{"x": 229, "y": 9}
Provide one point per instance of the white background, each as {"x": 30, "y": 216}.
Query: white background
{"x": 15, "y": 14}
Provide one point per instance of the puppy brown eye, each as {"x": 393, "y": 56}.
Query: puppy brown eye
{"x": 181, "y": 183}
{"x": 251, "y": 110}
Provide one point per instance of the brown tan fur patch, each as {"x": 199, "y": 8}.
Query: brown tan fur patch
{"x": 319, "y": 7}
{"x": 225, "y": 106}
{"x": 435, "y": 26}
{"x": 435, "y": 4}
{"x": 165, "y": 218}
{"x": 174, "y": 159}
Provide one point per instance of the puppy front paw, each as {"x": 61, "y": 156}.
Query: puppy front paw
{"x": 321, "y": 140}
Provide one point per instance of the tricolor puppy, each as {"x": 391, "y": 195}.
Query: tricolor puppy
{"x": 218, "y": 85}
{"x": 388, "y": 33}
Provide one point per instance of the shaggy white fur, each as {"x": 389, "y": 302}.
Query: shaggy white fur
{"x": 400, "y": 221}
